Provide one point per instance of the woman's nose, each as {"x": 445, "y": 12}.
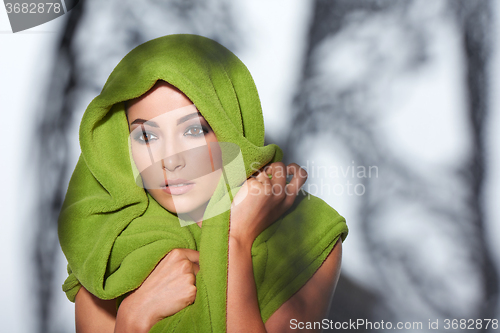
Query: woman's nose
{"x": 173, "y": 160}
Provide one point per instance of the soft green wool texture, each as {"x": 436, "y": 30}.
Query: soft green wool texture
{"x": 113, "y": 233}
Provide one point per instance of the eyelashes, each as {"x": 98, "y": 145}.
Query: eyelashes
{"x": 196, "y": 131}
{"x": 146, "y": 136}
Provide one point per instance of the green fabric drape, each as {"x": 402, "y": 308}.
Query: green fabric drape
{"x": 113, "y": 233}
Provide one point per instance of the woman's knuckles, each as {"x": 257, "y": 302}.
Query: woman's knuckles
{"x": 279, "y": 192}
{"x": 191, "y": 291}
{"x": 185, "y": 266}
{"x": 175, "y": 254}
{"x": 190, "y": 279}
{"x": 297, "y": 170}
{"x": 188, "y": 294}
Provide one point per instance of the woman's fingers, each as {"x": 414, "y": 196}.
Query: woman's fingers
{"x": 192, "y": 255}
{"x": 170, "y": 287}
{"x": 180, "y": 255}
{"x": 276, "y": 185}
{"x": 292, "y": 188}
{"x": 194, "y": 259}
{"x": 196, "y": 268}
{"x": 263, "y": 178}
{"x": 269, "y": 196}
{"x": 278, "y": 180}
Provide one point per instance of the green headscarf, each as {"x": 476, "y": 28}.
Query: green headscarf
{"x": 113, "y": 233}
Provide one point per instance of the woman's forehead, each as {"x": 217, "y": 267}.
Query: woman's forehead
{"x": 169, "y": 119}
{"x": 159, "y": 100}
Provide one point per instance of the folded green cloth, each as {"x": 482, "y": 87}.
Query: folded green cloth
{"x": 113, "y": 233}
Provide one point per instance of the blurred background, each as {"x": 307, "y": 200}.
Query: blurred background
{"x": 390, "y": 105}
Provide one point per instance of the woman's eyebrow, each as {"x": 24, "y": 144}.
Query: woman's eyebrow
{"x": 189, "y": 116}
{"x": 144, "y": 121}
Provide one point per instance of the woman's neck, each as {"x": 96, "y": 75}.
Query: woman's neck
{"x": 197, "y": 214}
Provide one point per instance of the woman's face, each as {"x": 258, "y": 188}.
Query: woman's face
{"x": 174, "y": 149}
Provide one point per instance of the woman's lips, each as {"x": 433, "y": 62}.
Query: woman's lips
{"x": 178, "y": 189}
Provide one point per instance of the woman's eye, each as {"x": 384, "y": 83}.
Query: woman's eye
{"x": 196, "y": 131}
{"x": 145, "y": 137}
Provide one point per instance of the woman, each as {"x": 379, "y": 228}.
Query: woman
{"x": 255, "y": 259}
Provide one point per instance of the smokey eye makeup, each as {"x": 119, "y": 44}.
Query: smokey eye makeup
{"x": 195, "y": 128}
{"x": 196, "y": 131}
{"x": 144, "y": 136}
{"x": 198, "y": 128}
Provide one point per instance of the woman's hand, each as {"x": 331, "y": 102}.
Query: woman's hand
{"x": 166, "y": 291}
{"x": 259, "y": 203}
{"x": 265, "y": 201}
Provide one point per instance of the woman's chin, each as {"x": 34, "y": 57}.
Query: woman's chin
{"x": 177, "y": 209}
{"x": 185, "y": 211}
{"x": 189, "y": 206}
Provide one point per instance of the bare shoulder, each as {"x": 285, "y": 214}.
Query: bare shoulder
{"x": 93, "y": 314}
{"x": 312, "y": 301}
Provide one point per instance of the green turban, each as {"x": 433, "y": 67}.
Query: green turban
{"x": 113, "y": 233}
